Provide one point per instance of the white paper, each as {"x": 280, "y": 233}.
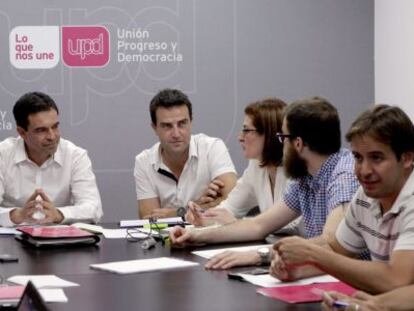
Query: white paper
{"x": 266, "y": 280}
{"x": 7, "y": 231}
{"x": 88, "y": 227}
{"x": 144, "y": 265}
{"x": 213, "y": 252}
{"x": 122, "y": 234}
{"x": 142, "y": 222}
{"x": 41, "y": 281}
{"x": 53, "y": 295}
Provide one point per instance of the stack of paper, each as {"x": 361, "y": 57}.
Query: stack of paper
{"x": 143, "y": 265}
{"x": 213, "y": 252}
{"x": 266, "y": 280}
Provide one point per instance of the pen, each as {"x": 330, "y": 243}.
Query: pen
{"x": 340, "y": 304}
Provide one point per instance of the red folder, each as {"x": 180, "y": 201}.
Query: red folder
{"x": 52, "y": 236}
{"x": 10, "y": 294}
{"x": 54, "y": 232}
{"x": 305, "y": 293}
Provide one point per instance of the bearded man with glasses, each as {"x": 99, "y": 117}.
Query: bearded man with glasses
{"x": 323, "y": 183}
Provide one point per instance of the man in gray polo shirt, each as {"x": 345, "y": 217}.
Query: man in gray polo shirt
{"x": 381, "y": 215}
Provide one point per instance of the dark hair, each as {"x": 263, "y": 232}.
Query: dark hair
{"x": 267, "y": 118}
{"x": 31, "y": 103}
{"x": 168, "y": 98}
{"x": 316, "y": 121}
{"x": 387, "y": 124}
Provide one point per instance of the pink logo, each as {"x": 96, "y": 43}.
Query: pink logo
{"x": 85, "y": 46}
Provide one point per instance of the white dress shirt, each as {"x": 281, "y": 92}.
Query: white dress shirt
{"x": 208, "y": 158}
{"x": 66, "y": 178}
{"x": 254, "y": 189}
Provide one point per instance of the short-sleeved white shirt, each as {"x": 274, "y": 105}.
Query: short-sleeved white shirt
{"x": 364, "y": 226}
{"x": 208, "y": 158}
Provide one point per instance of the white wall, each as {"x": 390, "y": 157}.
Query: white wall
{"x": 394, "y": 53}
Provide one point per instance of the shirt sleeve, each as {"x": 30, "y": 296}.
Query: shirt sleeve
{"x": 241, "y": 199}
{"x": 144, "y": 186}
{"x": 341, "y": 189}
{"x": 219, "y": 159}
{"x": 405, "y": 240}
{"x": 86, "y": 201}
{"x": 348, "y": 234}
{"x": 291, "y": 196}
{"x": 5, "y": 220}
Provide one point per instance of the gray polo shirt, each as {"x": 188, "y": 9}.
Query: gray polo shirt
{"x": 364, "y": 225}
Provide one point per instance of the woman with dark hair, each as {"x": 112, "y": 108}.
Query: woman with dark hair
{"x": 263, "y": 181}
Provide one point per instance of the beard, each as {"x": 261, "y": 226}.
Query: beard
{"x": 294, "y": 166}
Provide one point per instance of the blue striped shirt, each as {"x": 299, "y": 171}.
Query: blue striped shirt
{"x": 314, "y": 197}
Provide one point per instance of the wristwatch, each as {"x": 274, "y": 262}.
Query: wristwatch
{"x": 264, "y": 254}
{"x": 181, "y": 211}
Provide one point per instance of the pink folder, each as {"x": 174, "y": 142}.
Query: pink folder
{"x": 10, "y": 294}
{"x": 304, "y": 293}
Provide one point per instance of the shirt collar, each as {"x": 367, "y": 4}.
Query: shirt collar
{"x": 21, "y": 154}
{"x": 404, "y": 196}
{"x": 322, "y": 176}
{"x": 58, "y": 156}
{"x": 156, "y": 159}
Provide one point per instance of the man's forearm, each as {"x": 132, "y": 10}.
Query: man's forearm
{"x": 399, "y": 299}
{"x": 373, "y": 277}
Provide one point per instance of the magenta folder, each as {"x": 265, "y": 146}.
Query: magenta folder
{"x": 305, "y": 293}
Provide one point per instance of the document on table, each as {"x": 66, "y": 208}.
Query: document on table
{"x": 266, "y": 280}
{"x": 42, "y": 281}
{"x": 53, "y": 295}
{"x": 109, "y": 233}
{"x": 213, "y": 252}
{"x": 8, "y": 231}
{"x": 144, "y": 265}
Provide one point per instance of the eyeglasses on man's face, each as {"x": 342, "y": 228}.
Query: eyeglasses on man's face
{"x": 281, "y": 137}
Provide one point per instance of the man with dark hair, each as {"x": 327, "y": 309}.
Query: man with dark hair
{"x": 180, "y": 166}
{"x": 43, "y": 178}
{"x": 381, "y": 215}
{"x": 323, "y": 184}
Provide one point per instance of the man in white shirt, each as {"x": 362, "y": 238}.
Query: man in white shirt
{"x": 43, "y": 178}
{"x": 180, "y": 166}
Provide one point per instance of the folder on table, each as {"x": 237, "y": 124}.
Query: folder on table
{"x": 50, "y": 236}
{"x": 10, "y": 295}
{"x": 305, "y": 293}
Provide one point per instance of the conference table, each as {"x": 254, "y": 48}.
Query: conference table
{"x": 191, "y": 288}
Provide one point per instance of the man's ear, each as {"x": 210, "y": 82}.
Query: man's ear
{"x": 407, "y": 158}
{"x": 21, "y": 131}
{"x": 154, "y": 127}
{"x": 298, "y": 144}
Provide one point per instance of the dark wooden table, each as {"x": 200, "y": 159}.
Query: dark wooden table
{"x": 187, "y": 289}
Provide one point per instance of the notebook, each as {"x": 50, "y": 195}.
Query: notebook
{"x": 51, "y": 236}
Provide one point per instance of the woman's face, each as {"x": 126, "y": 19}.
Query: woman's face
{"x": 251, "y": 141}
